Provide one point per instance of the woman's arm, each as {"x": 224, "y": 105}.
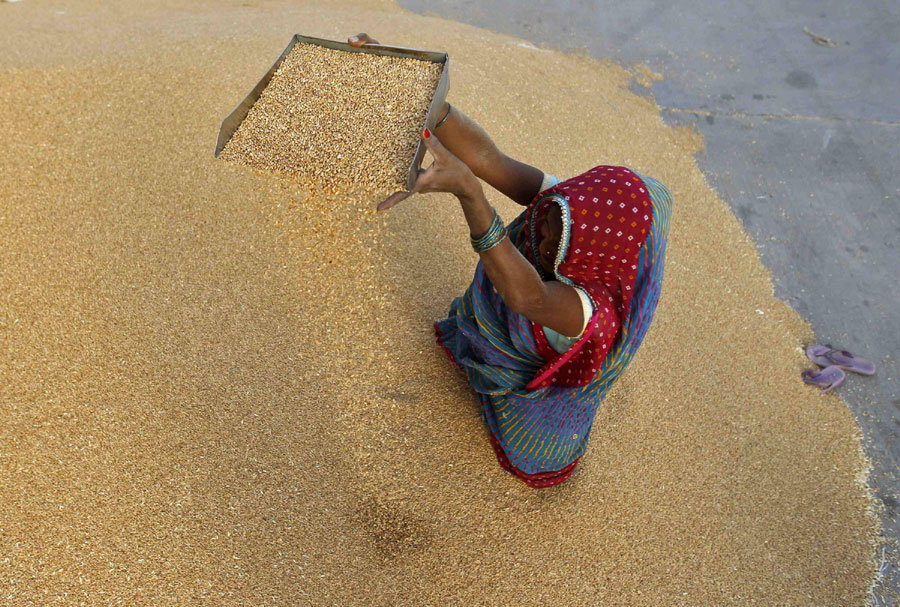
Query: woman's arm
{"x": 551, "y": 304}
{"x": 470, "y": 143}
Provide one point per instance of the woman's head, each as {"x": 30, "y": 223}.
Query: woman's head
{"x": 605, "y": 215}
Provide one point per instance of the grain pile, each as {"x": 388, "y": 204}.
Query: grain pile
{"x": 220, "y": 388}
{"x": 344, "y": 119}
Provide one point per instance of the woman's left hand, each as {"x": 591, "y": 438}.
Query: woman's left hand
{"x": 446, "y": 174}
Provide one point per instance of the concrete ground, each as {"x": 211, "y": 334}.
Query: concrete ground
{"x": 802, "y": 140}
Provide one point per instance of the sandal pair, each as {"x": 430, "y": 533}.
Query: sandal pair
{"x": 834, "y": 363}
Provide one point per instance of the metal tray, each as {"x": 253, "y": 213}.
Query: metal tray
{"x": 236, "y": 117}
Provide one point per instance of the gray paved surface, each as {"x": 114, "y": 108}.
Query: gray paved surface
{"x": 802, "y": 141}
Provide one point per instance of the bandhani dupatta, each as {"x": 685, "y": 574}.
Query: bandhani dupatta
{"x": 539, "y": 427}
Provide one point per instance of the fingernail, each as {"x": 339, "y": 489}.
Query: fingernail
{"x": 354, "y": 38}
{"x": 427, "y": 133}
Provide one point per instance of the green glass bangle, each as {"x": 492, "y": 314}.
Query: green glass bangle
{"x": 494, "y": 235}
{"x": 490, "y": 245}
{"x": 492, "y": 231}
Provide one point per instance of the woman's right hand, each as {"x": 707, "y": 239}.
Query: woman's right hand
{"x": 446, "y": 174}
{"x": 361, "y": 39}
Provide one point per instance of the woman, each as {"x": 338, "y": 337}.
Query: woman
{"x": 561, "y": 299}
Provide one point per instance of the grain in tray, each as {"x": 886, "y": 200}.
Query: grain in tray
{"x": 338, "y": 118}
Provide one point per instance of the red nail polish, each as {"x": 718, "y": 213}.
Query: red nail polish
{"x": 427, "y": 133}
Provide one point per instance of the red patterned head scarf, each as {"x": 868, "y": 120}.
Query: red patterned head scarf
{"x": 607, "y": 213}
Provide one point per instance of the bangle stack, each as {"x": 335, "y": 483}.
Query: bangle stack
{"x": 494, "y": 236}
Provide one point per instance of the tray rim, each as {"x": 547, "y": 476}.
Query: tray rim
{"x": 234, "y": 118}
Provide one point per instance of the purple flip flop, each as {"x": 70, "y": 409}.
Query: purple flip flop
{"x": 825, "y": 356}
{"x": 827, "y": 379}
